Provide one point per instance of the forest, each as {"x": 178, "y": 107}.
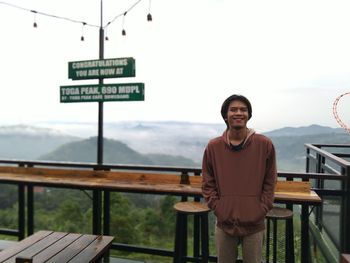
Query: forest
{"x": 138, "y": 219}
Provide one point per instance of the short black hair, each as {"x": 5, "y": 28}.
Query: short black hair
{"x": 226, "y": 104}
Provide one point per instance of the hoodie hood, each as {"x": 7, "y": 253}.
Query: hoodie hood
{"x": 246, "y": 141}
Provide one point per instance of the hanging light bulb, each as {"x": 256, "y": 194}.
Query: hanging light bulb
{"x": 123, "y": 31}
{"x": 106, "y": 37}
{"x": 149, "y": 16}
{"x": 34, "y": 24}
{"x": 82, "y": 38}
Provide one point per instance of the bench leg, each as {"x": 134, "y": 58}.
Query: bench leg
{"x": 179, "y": 237}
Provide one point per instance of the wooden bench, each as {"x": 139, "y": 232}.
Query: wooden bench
{"x": 49, "y": 246}
{"x": 345, "y": 258}
{"x": 4, "y": 244}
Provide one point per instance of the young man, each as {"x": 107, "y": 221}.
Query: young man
{"x": 239, "y": 176}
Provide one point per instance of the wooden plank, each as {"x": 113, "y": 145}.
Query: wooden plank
{"x": 104, "y": 175}
{"x": 345, "y": 258}
{"x": 293, "y": 186}
{"x": 157, "y": 178}
{"x": 83, "y": 174}
{"x": 4, "y": 244}
{"x": 25, "y": 243}
{"x": 195, "y": 180}
{"x": 61, "y": 244}
{"x": 73, "y": 249}
{"x": 41, "y": 245}
{"x": 47, "y": 246}
{"x": 298, "y": 197}
{"x": 94, "y": 251}
{"x": 123, "y": 181}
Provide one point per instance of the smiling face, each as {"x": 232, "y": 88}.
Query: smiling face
{"x": 237, "y": 115}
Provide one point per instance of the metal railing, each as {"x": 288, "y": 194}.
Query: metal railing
{"x": 333, "y": 217}
{"x": 322, "y": 167}
{"x": 100, "y": 200}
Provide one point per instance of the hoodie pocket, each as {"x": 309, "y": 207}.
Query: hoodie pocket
{"x": 245, "y": 210}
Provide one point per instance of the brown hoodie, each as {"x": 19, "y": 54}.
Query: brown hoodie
{"x": 239, "y": 185}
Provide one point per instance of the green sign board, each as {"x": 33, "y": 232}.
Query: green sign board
{"x": 103, "y": 92}
{"x": 105, "y": 68}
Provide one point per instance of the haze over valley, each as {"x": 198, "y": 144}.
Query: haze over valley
{"x": 149, "y": 143}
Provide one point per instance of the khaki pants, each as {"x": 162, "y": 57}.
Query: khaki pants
{"x": 227, "y": 247}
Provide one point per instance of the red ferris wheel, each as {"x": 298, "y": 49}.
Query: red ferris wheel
{"x": 335, "y": 112}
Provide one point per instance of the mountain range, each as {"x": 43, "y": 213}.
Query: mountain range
{"x": 150, "y": 143}
{"x": 115, "y": 152}
{"x": 29, "y": 142}
{"x": 304, "y": 130}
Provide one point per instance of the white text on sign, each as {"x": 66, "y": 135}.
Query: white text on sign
{"x": 106, "y": 92}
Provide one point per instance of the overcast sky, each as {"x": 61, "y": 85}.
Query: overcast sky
{"x": 290, "y": 58}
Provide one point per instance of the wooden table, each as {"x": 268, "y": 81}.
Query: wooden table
{"x": 292, "y": 193}
{"x": 121, "y": 181}
{"x": 297, "y": 192}
{"x": 139, "y": 182}
{"x": 48, "y": 246}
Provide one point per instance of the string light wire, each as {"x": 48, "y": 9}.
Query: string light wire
{"x": 48, "y": 15}
{"x": 123, "y": 13}
{"x": 70, "y": 19}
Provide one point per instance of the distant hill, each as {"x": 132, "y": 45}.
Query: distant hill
{"x": 150, "y": 143}
{"x": 29, "y": 142}
{"x": 290, "y": 150}
{"x": 115, "y": 152}
{"x": 304, "y": 130}
{"x": 167, "y": 137}
{"x": 174, "y": 138}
